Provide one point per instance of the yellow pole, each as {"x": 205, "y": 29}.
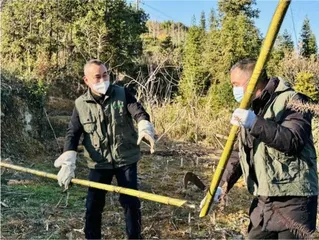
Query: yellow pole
{"x": 262, "y": 59}
{"x": 110, "y": 188}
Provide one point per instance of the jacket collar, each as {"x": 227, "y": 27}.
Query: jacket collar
{"x": 274, "y": 87}
{"x": 88, "y": 96}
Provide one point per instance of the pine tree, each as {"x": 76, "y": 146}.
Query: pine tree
{"x": 286, "y": 43}
{"x": 307, "y": 40}
{"x": 203, "y": 20}
{"x": 193, "y": 78}
{"x": 213, "y": 21}
{"x": 313, "y": 44}
{"x": 193, "y": 21}
{"x": 236, "y": 38}
{"x": 237, "y": 7}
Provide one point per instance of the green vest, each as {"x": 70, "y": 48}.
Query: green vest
{"x": 277, "y": 173}
{"x": 110, "y": 140}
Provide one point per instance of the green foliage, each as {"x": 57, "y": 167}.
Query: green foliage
{"x": 207, "y": 57}
{"x": 203, "y": 20}
{"x": 313, "y": 44}
{"x": 237, "y": 7}
{"x": 286, "y": 42}
{"x": 167, "y": 44}
{"x": 51, "y": 40}
{"x": 194, "y": 75}
{"x": 213, "y": 21}
{"x": 90, "y": 31}
{"x": 307, "y": 40}
{"x": 284, "y": 46}
{"x": 240, "y": 38}
{"x": 37, "y": 92}
{"x": 236, "y": 38}
{"x": 124, "y": 28}
{"x": 221, "y": 95}
{"x": 305, "y": 83}
{"x": 193, "y": 21}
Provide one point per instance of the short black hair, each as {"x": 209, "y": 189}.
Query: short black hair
{"x": 248, "y": 65}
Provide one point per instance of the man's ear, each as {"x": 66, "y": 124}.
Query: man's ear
{"x": 86, "y": 80}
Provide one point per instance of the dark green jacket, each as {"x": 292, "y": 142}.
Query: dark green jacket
{"x": 109, "y": 137}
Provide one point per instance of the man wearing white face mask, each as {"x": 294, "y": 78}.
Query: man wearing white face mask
{"x": 277, "y": 158}
{"x": 104, "y": 116}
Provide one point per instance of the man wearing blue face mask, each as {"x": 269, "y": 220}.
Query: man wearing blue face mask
{"x": 104, "y": 115}
{"x": 277, "y": 158}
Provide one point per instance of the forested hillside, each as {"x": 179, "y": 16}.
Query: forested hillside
{"x": 181, "y": 75}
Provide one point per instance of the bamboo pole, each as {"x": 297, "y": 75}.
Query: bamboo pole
{"x": 110, "y": 188}
{"x": 262, "y": 59}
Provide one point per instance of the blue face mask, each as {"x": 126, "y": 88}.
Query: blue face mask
{"x": 238, "y": 93}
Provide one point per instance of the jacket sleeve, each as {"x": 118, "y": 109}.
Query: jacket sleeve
{"x": 74, "y": 131}
{"x": 232, "y": 173}
{"x": 290, "y": 135}
{"x": 135, "y": 108}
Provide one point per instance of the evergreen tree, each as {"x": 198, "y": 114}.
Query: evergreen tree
{"x": 193, "y": 21}
{"x": 286, "y": 42}
{"x": 236, "y": 38}
{"x": 193, "y": 77}
{"x": 307, "y": 40}
{"x": 213, "y": 21}
{"x": 203, "y": 20}
{"x": 237, "y": 7}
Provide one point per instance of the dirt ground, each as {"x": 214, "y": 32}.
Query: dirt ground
{"x": 36, "y": 208}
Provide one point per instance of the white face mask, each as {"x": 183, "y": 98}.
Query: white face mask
{"x": 101, "y": 87}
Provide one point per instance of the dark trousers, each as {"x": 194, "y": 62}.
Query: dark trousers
{"x": 95, "y": 201}
{"x": 258, "y": 233}
{"x": 285, "y": 217}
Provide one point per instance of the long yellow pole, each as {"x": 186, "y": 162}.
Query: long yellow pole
{"x": 262, "y": 59}
{"x": 110, "y": 188}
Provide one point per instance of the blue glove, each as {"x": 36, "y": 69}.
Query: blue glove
{"x": 243, "y": 117}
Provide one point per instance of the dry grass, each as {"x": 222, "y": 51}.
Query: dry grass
{"x": 33, "y": 212}
{"x": 184, "y": 123}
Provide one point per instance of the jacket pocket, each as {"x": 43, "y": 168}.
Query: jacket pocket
{"x": 282, "y": 168}
{"x": 89, "y": 125}
{"x": 92, "y": 141}
{"x": 92, "y": 145}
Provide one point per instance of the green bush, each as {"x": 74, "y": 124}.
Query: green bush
{"x": 220, "y": 96}
{"x": 305, "y": 83}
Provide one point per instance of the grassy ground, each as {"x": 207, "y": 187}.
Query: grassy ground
{"x": 36, "y": 208}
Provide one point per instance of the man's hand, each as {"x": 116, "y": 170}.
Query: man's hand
{"x": 243, "y": 117}
{"x": 217, "y": 196}
{"x": 67, "y": 163}
{"x": 146, "y": 132}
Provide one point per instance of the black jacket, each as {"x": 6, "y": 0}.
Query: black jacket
{"x": 290, "y": 136}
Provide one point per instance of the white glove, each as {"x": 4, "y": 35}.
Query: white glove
{"x": 217, "y": 195}
{"x": 243, "y": 117}
{"x": 146, "y": 131}
{"x": 67, "y": 163}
